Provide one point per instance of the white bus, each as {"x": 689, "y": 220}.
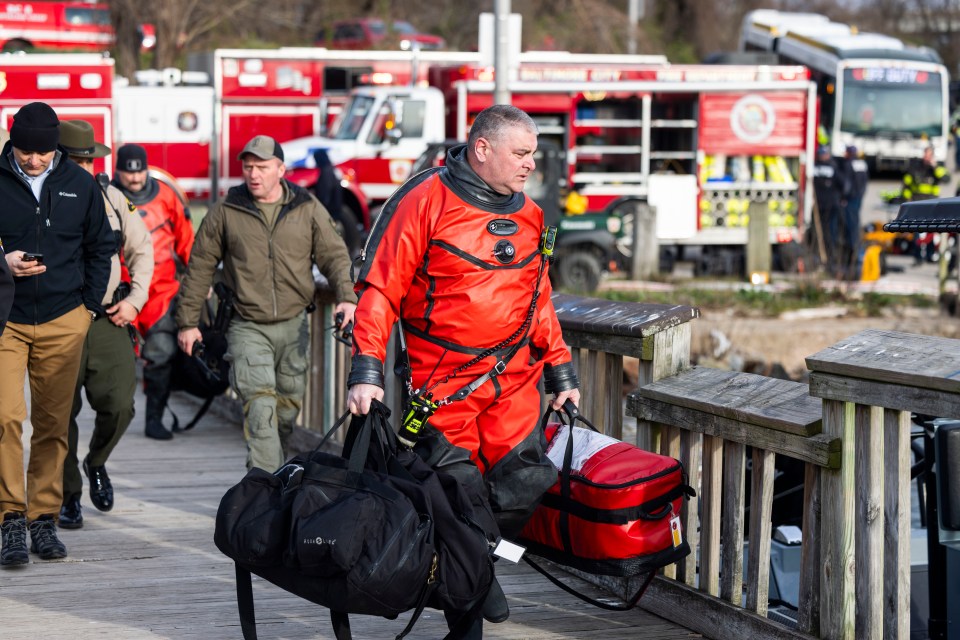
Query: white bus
{"x": 886, "y": 98}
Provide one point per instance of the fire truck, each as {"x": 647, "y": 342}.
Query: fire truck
{"x": 77, "y": 86}
{"x": 698, "y": 142}
{"x": 61, "y": 26}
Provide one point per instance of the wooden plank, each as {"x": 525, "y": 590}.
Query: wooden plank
{"x": 712, "y": 617}
{"x": 869, "y": 524}
{"x": 613, "y": 396}
{"x": 711, "y": 494}
{"x": 691, "y": 454}
{"x": 611, "y": 318}
{"x": 808, "y": 601}
{"x": 821, "y": 449}
{"x": 888, "y": 395}
{"x": 671, "y": 351}
{"x": 761, "y": 513}
{"x": 903, "y": 359}
{"x": 896, "y": 524}
{"x": 783, "y": 405}
{"x": 670, "y": 446}
{"x": 731, "y": 572}
{"x": 837, "y": 531}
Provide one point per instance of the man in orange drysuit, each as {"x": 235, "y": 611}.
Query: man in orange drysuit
{"x": 456, "y": 254}
{"x": 172, "y": 236}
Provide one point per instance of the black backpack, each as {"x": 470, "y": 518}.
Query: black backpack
{"x": 375, "y": 531}
{"x": 206, "y": 373}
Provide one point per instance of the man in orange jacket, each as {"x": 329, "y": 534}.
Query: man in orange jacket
{"x": 172, "y": 235}
{"x": 456, "y": 256}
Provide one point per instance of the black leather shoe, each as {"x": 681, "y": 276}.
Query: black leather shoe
{"x": 101, "y": 491}
{"x": 71, "y": 515}
{"x": 495, "y": 608}
{"x": 157, "y": 431}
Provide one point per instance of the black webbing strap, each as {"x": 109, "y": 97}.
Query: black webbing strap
{"x": 248, "y": 619}
{"x": 341, "y": 625}
{"x": 630, "y": 604}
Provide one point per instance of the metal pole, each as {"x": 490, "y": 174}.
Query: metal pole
{"x": 501, "y": 52}
{"x": 633, "y": 17}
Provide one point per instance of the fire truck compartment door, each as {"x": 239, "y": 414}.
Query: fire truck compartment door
{"x": 675, "y": 198}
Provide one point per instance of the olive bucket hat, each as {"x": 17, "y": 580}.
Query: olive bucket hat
{"x": 76, "y": 136}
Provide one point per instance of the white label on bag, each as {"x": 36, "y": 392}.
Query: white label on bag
{"x": 676, "y": 531}
{"x": 508, "y": 550}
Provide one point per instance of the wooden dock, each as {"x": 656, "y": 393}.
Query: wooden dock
{"x": 149, "y": 568}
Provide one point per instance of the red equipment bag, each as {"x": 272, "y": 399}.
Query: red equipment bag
{"x": 615, "y": 509}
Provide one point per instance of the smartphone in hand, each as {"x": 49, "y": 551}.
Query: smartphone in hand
{"x": 32, "y": 257}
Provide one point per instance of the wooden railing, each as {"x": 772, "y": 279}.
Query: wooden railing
{"x": 855, "y": 565}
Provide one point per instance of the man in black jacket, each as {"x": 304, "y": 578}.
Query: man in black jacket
{"x": 58, "y": 246}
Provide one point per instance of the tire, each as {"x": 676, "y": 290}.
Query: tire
{"x": 578, "y": 271}
{"x": 351, "y": 229}
{"x": 13, "y": 46}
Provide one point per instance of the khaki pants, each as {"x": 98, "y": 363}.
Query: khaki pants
{"x": 50, "y": 352}
{"x": 268, "y": 370}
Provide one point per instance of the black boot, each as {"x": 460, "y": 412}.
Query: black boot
{"x": 495, "y": 608}
{"x": 156, "y": 404}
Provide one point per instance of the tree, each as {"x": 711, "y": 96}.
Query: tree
{"x": 177, "y": 24}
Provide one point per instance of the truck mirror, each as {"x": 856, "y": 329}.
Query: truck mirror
{"x": 394, "y": 135}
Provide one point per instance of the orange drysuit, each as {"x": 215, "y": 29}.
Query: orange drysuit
{"x": 172, "y": 236}
{"x": 459, "y": 264}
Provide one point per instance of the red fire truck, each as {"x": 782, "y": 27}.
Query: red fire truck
{"x": 698, "y": 142}
{"x": 63, "y": 26}
{"x": 77, "y": 86}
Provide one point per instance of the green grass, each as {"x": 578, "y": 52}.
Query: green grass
{"x": 763, "y": 303}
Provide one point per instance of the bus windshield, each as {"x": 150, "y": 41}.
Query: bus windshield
{"x": 348, "y": 124}
{"x": 892, "y": 102}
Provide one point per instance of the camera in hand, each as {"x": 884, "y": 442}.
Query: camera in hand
{"x": 32, "y": 257}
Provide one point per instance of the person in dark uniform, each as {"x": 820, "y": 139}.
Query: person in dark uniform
{"x": 856, "y": 176}
{"x": 828, "y": 186}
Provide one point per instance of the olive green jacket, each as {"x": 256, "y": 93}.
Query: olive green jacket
{"x": 270, "y": 270}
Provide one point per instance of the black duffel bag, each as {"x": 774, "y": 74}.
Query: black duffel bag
{"x": 376, "y": 532}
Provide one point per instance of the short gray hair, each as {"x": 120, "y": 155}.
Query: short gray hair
{"x": 493, "y": 121}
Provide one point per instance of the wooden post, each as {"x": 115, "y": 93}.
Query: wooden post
{"x": 896, "y": 523}
{"x": 837, "y": 528}
{"x": 645, "y": 261}
{"x": 869, "y": 526}
{"x": 759, "y": 256}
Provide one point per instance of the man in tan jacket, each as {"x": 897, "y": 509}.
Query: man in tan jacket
{"x": 108, "y": 364}
{"x": 268, "y": 233}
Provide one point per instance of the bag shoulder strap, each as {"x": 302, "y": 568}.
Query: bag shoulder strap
{"x": 248, "y": 619}
{"x": 629, "y": 604}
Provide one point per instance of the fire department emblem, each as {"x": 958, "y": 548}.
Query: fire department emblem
{"x": 187, "y": 121}
{"x": 753, "y": 118}
{"x": 3, "y": 81}
{"x": 400, "y": 170}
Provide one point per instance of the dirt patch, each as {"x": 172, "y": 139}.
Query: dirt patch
{"x": 767, "y": 345}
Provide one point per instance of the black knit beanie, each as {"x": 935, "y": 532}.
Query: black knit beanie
{"x": 131, "y": 157}
{"x": 35, "y": 128}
